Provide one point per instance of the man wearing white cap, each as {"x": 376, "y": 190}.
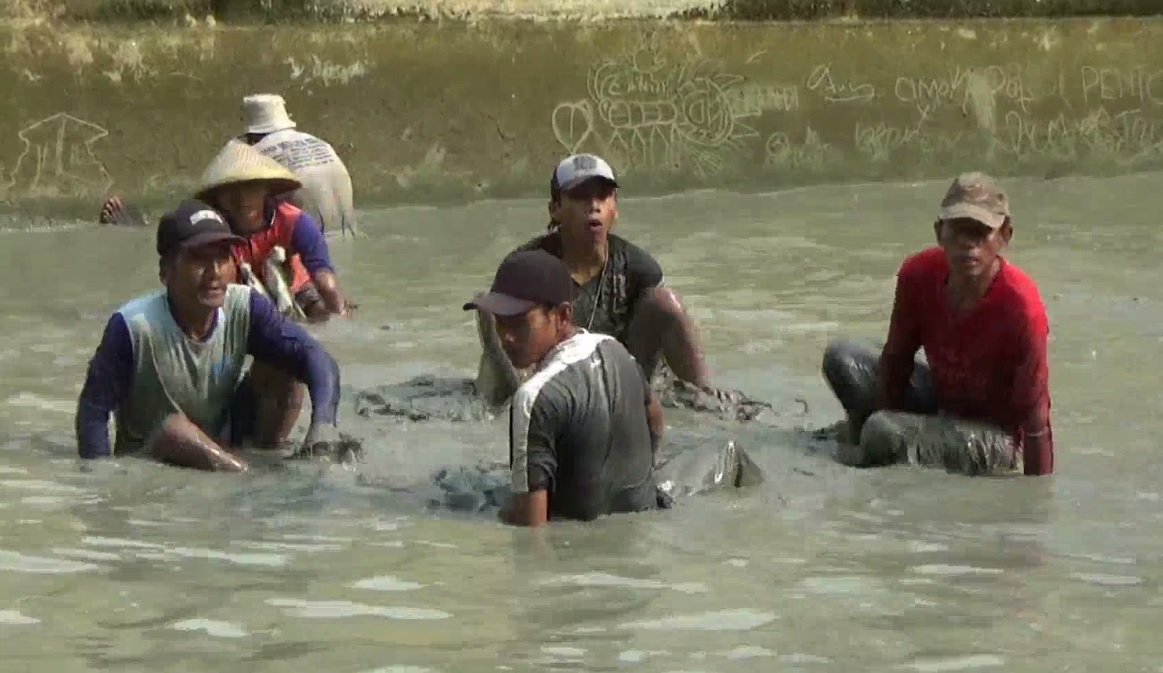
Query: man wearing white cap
{"x": 619, "y": 286}
{"x": 326, "y": 193}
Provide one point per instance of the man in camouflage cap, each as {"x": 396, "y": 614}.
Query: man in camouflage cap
{"x": 982, "y": 404}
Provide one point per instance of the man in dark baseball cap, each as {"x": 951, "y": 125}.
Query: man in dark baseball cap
{"x": 531, "y": 299}
{"x": 524, "y": 280}
{"x": 171, "y": 363}
{"x": 191, "y": 225}
{"x": 584, "y": 425}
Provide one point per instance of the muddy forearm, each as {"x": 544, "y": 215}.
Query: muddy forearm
{"x": 655, "y": 422}
{"x": 328, "y": 286}
{"x": 503, "y": 376}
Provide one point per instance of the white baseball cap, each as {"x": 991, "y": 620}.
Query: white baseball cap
{"x": 576, "y": 169}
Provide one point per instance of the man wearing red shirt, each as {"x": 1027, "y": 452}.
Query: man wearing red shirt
{"x": 982, "y": 405}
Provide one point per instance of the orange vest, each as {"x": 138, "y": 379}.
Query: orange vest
{"x": 258, "y": 246}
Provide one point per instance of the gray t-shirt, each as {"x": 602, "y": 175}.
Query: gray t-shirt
{"x": 606, "y": 303}
{"x": 578, "y": 429}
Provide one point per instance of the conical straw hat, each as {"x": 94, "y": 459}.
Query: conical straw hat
{"x": 239, "y": 162}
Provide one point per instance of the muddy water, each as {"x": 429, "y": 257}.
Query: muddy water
{"x": 131, "y": 567}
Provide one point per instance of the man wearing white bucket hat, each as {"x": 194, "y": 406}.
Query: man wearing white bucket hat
{"x": 326, "y": 192}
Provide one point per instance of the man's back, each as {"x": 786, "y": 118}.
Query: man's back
{"x": 327, "y": 192}
{"x": 579, "y": 425}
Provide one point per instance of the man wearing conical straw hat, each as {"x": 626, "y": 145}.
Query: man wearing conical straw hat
{"x": 245, "y": 186}
{"x": 326, "y": 193}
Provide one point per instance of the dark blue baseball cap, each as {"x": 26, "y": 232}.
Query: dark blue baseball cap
{"x": 192, "y": 224}
{"x": 525, "y": 279}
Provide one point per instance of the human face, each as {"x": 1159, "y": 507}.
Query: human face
{"x": 199, "y": 276}
{"x": 971, "y": 247}
{"x": 528, "y": 337}
{"x": 587, "y": 212}
{"x": 244, "y": 204}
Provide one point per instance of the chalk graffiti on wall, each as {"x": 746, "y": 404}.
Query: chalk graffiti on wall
{"x": 317, "y": 71}
{"x": 812, "y": 154}
{"x": 837, "y": 90}
{"x": 58, "y": 158}
{"x": 646, "y": 110}
{"x": 1141, "y": 85}
{"x": 697, "y": 116}
{"x": 1123, "y": 137}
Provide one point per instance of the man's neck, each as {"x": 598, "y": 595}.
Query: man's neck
{"x": 195, "y": 322}
{"x": 966, "y": 291}
{"x": 584, "y": 261}
{"x": 568, "y": 334}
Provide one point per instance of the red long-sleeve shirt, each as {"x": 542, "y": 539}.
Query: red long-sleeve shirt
{"x": 989, "y": 364}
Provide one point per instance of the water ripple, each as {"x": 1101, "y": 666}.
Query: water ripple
{"x": 211, "y": 627}
{"x": 14, "y": 618}
{"x": 599, "y": 579}
{"x": 338, "y": 609}
{"x": 741, "y": 619}
{"x": 386, "y": 583}
{"x": 10, "y": 560}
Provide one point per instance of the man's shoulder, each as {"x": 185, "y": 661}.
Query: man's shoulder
{"x": 553, "y": 375}
{"x": 144, "y": 307}
{"x": 1022, "y": 291}
{"x": 633, "y": 251}
{"x": 930, "y": 262}
{"x": 549, "y": 242}
{"x": 238, "y": 297}
{"x": 640, "y": 264}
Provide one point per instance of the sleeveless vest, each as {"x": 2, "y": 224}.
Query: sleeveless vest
{"x": 175, "y": 374}
{"x": 258, "y": 246}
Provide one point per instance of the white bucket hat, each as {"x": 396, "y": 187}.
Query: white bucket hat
{"x": 239, "y": 162}
{"x": 265, "y": 113}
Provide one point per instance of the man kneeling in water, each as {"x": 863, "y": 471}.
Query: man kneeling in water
{"x": 170, "y": 363}
{"x": 584, "y": 427}
{"x": 620, "y": 288}
{"x": 983, "y": 404}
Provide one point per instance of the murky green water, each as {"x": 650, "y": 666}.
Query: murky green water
{"x": 132, "y": 567}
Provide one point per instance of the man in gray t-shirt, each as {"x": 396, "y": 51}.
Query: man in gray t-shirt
{"x": 584, "y": 426}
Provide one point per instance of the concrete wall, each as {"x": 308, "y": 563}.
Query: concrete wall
{"x": 281, "y": 11}
{"x": 438, "y": 111}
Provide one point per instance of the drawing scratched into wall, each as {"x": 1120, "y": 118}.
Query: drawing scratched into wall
{"x": 837, "y": 90}
{"x": 323, "y": 72}
{"x": 58, "y": 158}
{"x": 645, "y": 110}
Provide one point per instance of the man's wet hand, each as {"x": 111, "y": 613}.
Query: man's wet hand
{"x": 325, "y": 441}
